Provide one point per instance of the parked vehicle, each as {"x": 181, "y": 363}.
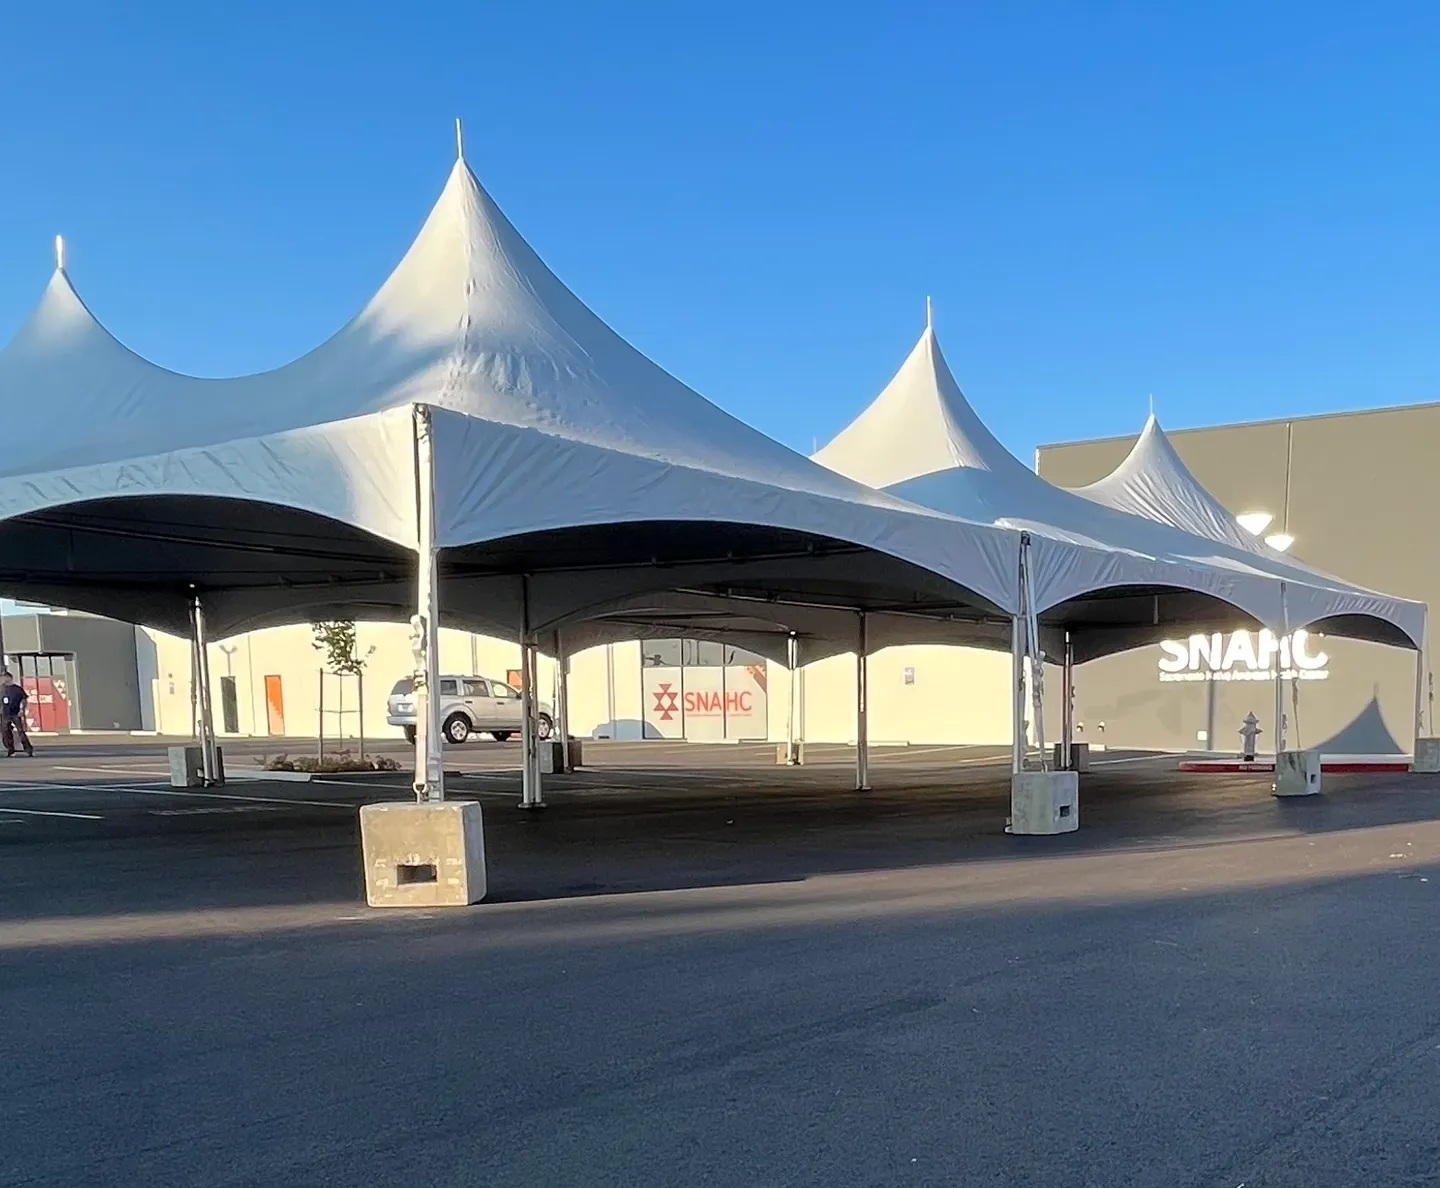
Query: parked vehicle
{"x": 468, "y": 704}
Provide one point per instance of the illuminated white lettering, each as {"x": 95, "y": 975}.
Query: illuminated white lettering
{"x": 1176, "y": 656}
{"x": 1241, "y": 651}
{"x": 1304, "y": 659}
{"x": 1269, "y": 647}
{"x": 1204, "y": 650}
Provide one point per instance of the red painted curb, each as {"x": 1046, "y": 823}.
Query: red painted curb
{"x": 1337, "y": 766}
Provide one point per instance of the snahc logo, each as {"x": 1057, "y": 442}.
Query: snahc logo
{"x": 1243, "y": 656}
{"x": 700, "y": 704}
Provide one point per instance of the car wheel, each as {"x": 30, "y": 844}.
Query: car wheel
{"x": 500, "y": 735}
{"x": 457, "y": 728}
{"x": 543, "y": 726}
{"x": 410, "y": 735}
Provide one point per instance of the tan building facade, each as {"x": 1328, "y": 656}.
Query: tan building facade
{"x": 1357, "y": 492}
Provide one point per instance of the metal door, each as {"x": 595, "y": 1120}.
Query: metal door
{"x": 229, "y": 705}
{"x": 44, "y": 677}
{"x": 274, "y": 706}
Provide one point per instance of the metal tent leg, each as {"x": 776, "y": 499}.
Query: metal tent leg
{"x": 1067, "y": 707}
{"x": 200, "y": 643}
{"x": 562, "y": 703}
{"x": 530, "y": 794}
{"x": 1017, "y": 695}
{"x": 862, "y": 708}
{"x": 429, "y": 779}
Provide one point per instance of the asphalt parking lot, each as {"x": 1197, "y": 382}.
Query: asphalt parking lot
{"x": 698, "y": 968}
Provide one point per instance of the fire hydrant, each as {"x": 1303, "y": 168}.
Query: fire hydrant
{"x": 1249, "y": 730}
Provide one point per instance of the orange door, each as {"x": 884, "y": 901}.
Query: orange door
{"x": 274, "y": 705}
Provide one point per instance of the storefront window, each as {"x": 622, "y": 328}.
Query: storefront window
{"x": 702, "y": 690}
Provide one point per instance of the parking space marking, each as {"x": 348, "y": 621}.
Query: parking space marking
{"x": 1130, "y": 759}
{"x": 151, "y": 788}
{"x": 148, "y": 791}
{"x": 55, "y": 785}
{"x": 43, "y": 813}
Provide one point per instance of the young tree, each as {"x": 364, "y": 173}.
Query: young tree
{"x": 337, "y": 641}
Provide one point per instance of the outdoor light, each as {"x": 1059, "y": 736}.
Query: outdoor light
{"x": 1280, "y": 541}
{"x": 1254, "y": 522}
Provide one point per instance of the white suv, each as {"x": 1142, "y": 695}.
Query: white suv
{"x": 468, "y": 704}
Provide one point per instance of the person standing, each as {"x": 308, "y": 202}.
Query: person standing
{"x": 12, "y": 715}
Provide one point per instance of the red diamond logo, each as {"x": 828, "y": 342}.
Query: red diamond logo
{"x": 666, "y": 703}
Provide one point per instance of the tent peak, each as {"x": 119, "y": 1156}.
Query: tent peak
{"x": 59, "y": 253}
{"x": 920, "y": 423}
{"x": 459, "y": 140}
{"x": 929, "y": 315}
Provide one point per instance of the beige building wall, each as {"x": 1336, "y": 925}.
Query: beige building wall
{"x": 288, "y": 653}
{"x": 957, "y": 695}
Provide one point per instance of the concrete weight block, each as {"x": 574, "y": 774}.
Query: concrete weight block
{"x": 423, "y": 854}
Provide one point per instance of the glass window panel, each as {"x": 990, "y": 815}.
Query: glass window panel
{"x": 660, "y": 653}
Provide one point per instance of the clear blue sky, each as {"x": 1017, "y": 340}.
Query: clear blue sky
{"x": 1233, "y": 206}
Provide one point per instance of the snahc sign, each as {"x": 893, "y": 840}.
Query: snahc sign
{"x": 700, "y": 702}
{"x": 1243, "y": 656}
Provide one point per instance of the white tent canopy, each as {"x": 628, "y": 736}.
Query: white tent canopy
{"x": 1114, "y": 577}
{"x": 571, "y": 476}
{"x": 1154, "y": 483}
{"x": 559, "y": 450}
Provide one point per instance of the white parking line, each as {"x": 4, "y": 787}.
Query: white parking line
{"x": 151, "y": 788}
{"x": 137, "y": 771}
{"x": 1130, "y": 759}
{"x": 41, "y": 813}
{"x": 51, "y": 785}
{"x": 148, "y": 791}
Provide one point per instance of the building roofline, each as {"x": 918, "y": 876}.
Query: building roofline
{"x": 1325, "y": 416}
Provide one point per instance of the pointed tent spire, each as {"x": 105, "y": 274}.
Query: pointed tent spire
{"x": 920, "y": 423}
{"x": 1153, "y": 482}
{"x": 929, "y": 315}
{"x": 59, "y": 253}
{"x": 459, "y": 140}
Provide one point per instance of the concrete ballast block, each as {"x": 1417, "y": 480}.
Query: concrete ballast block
{"x": 1079, "y": 757}
{"x": 429, "y": 854}
{"x": 1043, "y": 802}
{"x": 1427, "y": 755}
{"x": 552, "y": 756}
{"x": 1297, "y": 773}
{"x": 186, "y": 766}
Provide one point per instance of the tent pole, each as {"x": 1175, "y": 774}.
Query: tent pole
{"x": 1067, "y": 707}
{"x": 1017, "y": 696}
{"x": 792, "y": 647}
{"x": 562, "y": 702}
{"x": 1419, "y": 704}
{"x": 862, "y": 708}
{"x": 1017, "y": 665}
{"x": 530, "y": 796}
{"x": 429, "y": 780}
{"x": 1035, "y": 654}
{"x": 194, "y": 677}
{"x": 1279, "y": 680}
{"x": 208, "y": 766}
